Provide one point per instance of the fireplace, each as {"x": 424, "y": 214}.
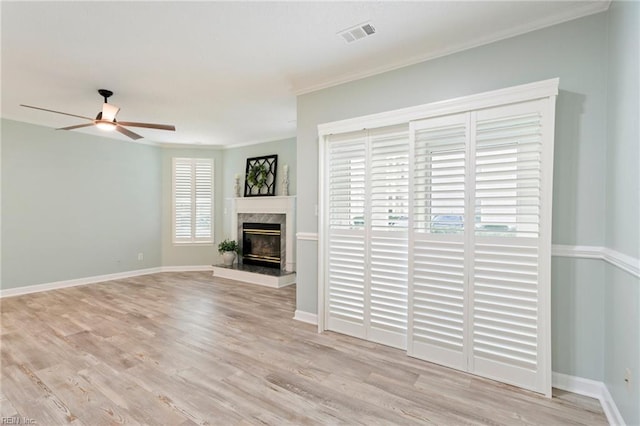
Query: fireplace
{"x": 261, "y": 244}
{"x": 276, "y": 209}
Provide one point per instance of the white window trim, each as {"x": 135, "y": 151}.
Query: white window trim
{"x": 202, "y": 243}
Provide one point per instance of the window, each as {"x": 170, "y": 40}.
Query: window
{"x": 192, "y": 200}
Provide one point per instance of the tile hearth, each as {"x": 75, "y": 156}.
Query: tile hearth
{"x": 269, "y": 277}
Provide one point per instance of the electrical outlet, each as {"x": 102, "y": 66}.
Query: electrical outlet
{"x": 140, "y": 256}
{"x": 627, "y": 377}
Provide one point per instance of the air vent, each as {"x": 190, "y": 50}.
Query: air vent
{"x": 358, "y": 32}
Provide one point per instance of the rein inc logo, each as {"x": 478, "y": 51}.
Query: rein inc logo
{"x": 17, "y": 421}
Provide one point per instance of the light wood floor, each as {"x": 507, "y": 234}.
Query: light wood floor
{"x": 184, "y": 349}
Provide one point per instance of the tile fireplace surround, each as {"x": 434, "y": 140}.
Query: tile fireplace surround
{"x": 262, "y": 209}
{"x": 279, "y": 209}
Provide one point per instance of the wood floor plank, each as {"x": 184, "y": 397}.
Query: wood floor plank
{"x": 83, "y": 400}
{"x": 190, "y": 349}
{"x": 6, "y": 408}
{"x": 33, "y": 399}
{"x": 194, "y": 403}
{"x": 270, "y": 398}
{"x": 141, "y": 405}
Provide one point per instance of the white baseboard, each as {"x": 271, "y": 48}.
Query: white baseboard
{"x": 610, "y": 408}
{"x": 188, "y": 268}
{"x": 18, "y": 291}
{"x": 307, "y": 317}
{"x": 75, "y": 282}
{"x": 579, "y": 385}
{"x": 593, "y": 389}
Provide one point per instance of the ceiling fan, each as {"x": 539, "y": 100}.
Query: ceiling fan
{"x": 106, "y": 119}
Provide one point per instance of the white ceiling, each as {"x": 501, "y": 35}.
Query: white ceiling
{"x": 227, "y": 73}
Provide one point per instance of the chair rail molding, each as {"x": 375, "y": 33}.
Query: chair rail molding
{"x": 308, "y": 236}
{"x": 620, "y": 260}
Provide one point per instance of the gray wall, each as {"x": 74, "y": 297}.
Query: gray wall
{"x": 623, "y": 144}
{"x": 76, "y": 205}
{"x": 235, "y": 161}
{"x": 622, "y": 290}
{"x": 576, "y": 53}
{"x": 577, "y": 315}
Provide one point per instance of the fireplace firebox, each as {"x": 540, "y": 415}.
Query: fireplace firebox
{"x": 261, "y": 244}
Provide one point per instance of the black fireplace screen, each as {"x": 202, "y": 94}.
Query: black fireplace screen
{"x": 261, "y": 244}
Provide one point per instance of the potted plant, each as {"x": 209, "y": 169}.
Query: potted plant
{"x": 228, "y": 250}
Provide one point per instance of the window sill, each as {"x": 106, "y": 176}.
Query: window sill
{"x": 193, "y": 243}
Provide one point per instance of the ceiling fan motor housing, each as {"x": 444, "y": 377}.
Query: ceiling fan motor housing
{"x": 106, "y": 94}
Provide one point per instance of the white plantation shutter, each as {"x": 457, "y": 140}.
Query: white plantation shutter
{"x": 475, "y": 264}
{"x": 192, "y": 200}
{"x": 505, "y": 312}
{"x": 203, "y": 199}
{"x": 438, "y": 253}
{"x": 346, "y": 238}
{"x": 506, "y": 281}
{"x": 182, "y": 199}
{"x": 508, "y": 166}
{"x": 368, "y": 205}
{"x": 438, "y": 239}
{"x": 389, "y": 198}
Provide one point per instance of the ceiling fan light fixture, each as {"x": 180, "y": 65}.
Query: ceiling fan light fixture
{"x": 106, "y": 119}
{"x": 109, "y": 111}
{"x": 107, "y": 126}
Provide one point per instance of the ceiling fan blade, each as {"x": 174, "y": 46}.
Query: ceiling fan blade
{"x": 57, "y": 112}
{"x": 148, "y": 125}
{"x": 109, "y": 111}
{"x": 127, "y": 132}
{"x": 77, "y": 126}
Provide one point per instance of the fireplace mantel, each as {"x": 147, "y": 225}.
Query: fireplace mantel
{"x": 269, "y": 205}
